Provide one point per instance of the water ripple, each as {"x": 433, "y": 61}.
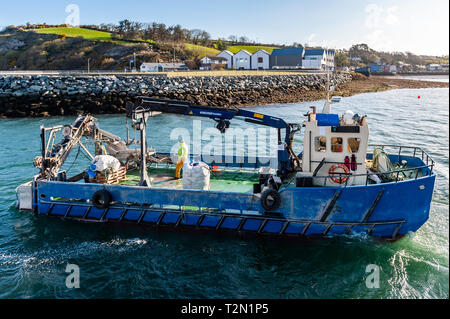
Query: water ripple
{"x": 117, "y": 262}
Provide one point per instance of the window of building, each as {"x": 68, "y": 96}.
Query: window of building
{"x": 260, "y": 60}
{"x": 320, "y": 143}
{"x": 336, "y": 144}
{"x": 353, "y": 144}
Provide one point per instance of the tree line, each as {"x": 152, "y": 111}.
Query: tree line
{"x": 127, "y": 30}
{"x": 366, "y": 55}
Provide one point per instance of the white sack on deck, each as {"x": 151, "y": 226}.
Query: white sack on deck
{"x": 196, "y": 177}
{"x": 103, "y": 162}
{"x": 187, "y": 176}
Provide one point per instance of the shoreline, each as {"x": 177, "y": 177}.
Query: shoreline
{"x": 380, "y": 84}
{"x": 358, "y": 85}
{"x": 44, "y": 96}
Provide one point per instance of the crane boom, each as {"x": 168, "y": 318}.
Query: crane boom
{"x": 148, "y": 106}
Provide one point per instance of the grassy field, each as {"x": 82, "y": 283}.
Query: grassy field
{"x": 87, "y": 34}
{"x": 94, "y": 35}
{"x": 200, "y": 50}
{"x": 77, "y": 32}
{"x": 250, "y": 48}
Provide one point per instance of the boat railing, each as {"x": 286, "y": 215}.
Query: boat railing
{"x": 400, "y": 150}
{"x": 413, "y": 151}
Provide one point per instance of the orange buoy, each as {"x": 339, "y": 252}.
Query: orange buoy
{"x": 338, "y": 179}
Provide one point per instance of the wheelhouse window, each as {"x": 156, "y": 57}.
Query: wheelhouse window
{"x": 320, "y": 143}
{"x": 336, "y": 144}
{"x": 353, "y": 144}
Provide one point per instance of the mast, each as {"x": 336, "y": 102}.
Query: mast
{"x": 327, "y": 107}
{"x": 328, "y": 75}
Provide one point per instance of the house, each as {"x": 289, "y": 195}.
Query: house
{"x": 434, "y": 67}
{"x": 151, "y": 67}
{"x": 213, "y": 63}
{"x": 242, "y": 60}
{"x": 375, "y": 68}
{"x": 421, "y": 67}
{"x": 319, "y": 59}
{"x": 287, "y": 58}
{"x": 404, "y": 67}
{"x": 163, "y": 67}
{"x": 260, "y": 60}
{"x": 171, "y": 67}
{"x": 227, "y": 55}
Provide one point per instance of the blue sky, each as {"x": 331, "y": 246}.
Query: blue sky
{"x": 418, "y": 26}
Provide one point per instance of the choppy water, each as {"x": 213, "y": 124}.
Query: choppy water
{"x": 117, "y": 262}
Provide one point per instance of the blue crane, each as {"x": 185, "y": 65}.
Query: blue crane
{"x": 286, "y": 157}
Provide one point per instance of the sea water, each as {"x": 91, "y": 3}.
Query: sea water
{"x": 135, "y": 262}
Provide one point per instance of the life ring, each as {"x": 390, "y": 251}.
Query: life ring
{"x": 270, "y": 199}
{"x": 101, "y": 199}
{"x": 338, "y": 179}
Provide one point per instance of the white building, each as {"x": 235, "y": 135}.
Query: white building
{"x": 318, "y": 59}
{"x": 242, "y": 60}
{"x": 393, "y": 68}
{"x": 152, "y": 67}
{"x": 227, "y": 55}
{"x": 434, "y": 67}
{"x": 213, "y": 63}
{"x": 260, "y": 60}
{"x": 163, "y": 67}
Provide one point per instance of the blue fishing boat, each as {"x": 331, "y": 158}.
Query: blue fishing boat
{"x": 338, "y": 184}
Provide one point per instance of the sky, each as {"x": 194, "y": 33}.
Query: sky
{"x": 418, "y": 26}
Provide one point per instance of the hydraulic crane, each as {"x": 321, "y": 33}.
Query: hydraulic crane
{"x": 146, "y": 107}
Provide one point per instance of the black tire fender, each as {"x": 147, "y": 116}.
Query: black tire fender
{"x": 102, "y": 199}
{"x": 270, "y": 199}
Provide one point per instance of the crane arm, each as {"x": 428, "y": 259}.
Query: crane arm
{"x": 218, "y": 114}
{"x": 149, "y": 106}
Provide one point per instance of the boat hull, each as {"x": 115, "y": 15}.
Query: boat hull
{"x": 387, "y": 210}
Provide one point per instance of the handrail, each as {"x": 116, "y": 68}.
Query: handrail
{"x": 424, "y": 154}
{"x": 426, "y": 158}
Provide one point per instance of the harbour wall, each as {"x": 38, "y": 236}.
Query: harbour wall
{"x": 43, "y": 95}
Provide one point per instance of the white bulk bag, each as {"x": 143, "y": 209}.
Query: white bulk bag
{"x": 103, "y": 162}
{"x": 197, "y": 177}
{"x": 187, "y": 175}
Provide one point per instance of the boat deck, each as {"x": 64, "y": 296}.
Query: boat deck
{"x": 231, "y": 180}
{"x": 222, "y": 180}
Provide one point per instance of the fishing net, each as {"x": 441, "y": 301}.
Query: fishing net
{"x": 382, "y": 164}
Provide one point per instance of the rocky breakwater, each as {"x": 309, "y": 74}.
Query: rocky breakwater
{"x": 37, "y": 96}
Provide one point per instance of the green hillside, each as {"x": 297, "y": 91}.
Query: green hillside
{"x": 87, "y": 34}
{"x": 201, "y": 50}
{"x": 250, "y": 48}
